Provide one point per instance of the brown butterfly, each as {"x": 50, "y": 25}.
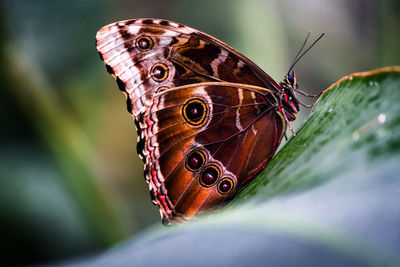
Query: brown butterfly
{"x": 208, "y": 119}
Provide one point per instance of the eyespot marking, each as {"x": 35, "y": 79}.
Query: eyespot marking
{"x": 225, "y": 186}
{"x": 209, "y": 176}
{"x": 144, "y": 43}
{"x": 195, "y": 111}
{"x": 159, "y": 72}
{"x": 195, "y": 161}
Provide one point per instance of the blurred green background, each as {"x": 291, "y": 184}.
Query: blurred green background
{"x": 71, "y": 181}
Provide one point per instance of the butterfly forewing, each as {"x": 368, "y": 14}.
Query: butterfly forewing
{"x": 189, "y": 56}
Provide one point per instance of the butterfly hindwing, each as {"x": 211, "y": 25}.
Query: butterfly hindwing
{"x": 217, "y": 124}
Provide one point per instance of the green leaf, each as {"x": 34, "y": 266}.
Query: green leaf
{"x": 331, "y": 195}
{"x": 353, "y": 127}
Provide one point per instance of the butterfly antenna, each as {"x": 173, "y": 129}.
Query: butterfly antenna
{"x": 298, "y": 53}
{"x": 298, "y": 56}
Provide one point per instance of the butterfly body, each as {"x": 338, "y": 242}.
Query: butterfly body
{"x": 208, "y": 118}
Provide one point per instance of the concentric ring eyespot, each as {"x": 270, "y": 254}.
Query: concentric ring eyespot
{"x": 194, "y": 111}
{"x": 225, "y": 186}
{"x": 162, "y": 89}
{"x": 209, "y": 176}
{"x": 195, "y": 161}
{"x": 159, "y": 72}
{"x": 144, "y": 43}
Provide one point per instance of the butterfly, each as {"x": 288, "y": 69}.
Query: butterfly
{"x": 208, "y": 119}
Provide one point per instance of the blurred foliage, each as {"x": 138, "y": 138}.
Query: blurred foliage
{"x": 71, "y": 180}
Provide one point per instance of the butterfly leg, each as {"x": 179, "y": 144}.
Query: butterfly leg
{"x": 288, "y": 123}
{"x": 305, "y": 105}
{"x": 306, "y": 94}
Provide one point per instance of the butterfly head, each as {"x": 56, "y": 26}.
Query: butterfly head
{"x": 289, "y": 101}
{"x": 291, "y": 79}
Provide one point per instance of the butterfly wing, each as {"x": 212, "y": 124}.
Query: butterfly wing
{"x": 203, "y": 142}
{"x": 166, "y": 69}
{"x": 148, "y": 55}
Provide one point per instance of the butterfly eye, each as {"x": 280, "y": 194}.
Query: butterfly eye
{"x": 291, "y": 79}
{"x": 195, "y": 161}
{"x": 209, "y": 176}
{"x": 144, "y": 43}
{"x": 225, "y": 186}
{"x": 159, "y": 72}
{"x": 194, "y": 111}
